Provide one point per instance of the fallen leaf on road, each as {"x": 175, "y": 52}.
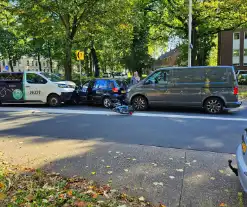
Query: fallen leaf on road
{"x": 228, "y": 175}
{"x": 108, "y": 166}
{"x": 126, "y": 170}
{"x": 141, "y": 198}
{"x": 171, "y": 177}
{"x": 117, "y": 152}
{"x": 179, "y": 170}
{"x": 70, "y": 193}
{"x": 162, "y": 205}
{"x": 212, "y": 178}
{"x": 93, "y": 173}
{"x": 170, "y": 158}
{"x": 182, "y": 157}
{"x": 2, "y": 185}
{"x": 157, "y": 183}
{"x": 199, "y": 176}
{"x": 109, "y": 151}
{"x": 188, "y": 163}
{"x": 134, "y": 159}
{"x": 109, "y": 172}
{"x": 115, "y": 157}
{"x": 128, "y": 158}
{"x": 20, "y": 142}
{"x": 221, "y": 171}
{"x": 122, "y": 206}
{"x": 194, "y": 161}
{"x": 80, "y": 204}
{"x": 102, "y": 160}
{"x": 240, "y": 193}
{"x": 154, "y": 164}
{"x": 223, "y": 204}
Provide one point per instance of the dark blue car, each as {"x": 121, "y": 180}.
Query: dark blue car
{"x": 102, "y": 91}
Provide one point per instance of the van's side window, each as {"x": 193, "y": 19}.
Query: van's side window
{"x": 33, "y": 78}
{"x": 160, "y": 77}
{"x": 190, "y": 75}
{"x": 216, "y": 74}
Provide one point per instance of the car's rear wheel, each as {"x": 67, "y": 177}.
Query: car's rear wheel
{"x": 214, "y": 105}
{"x": 106, "y": 102}
{"x": 140, "y": 103}
{"x": 54, "y": 100}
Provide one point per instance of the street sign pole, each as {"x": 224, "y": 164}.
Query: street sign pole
{"x": 189, "y": 33}
{"x": 80, "y": 71}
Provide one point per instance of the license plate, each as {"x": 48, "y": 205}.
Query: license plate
{"x": 123, "y": 91}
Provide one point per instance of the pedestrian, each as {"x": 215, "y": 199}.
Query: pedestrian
{"x": 135, "y": 78}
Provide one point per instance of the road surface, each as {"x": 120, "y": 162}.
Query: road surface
{"x": 177, "y": 157}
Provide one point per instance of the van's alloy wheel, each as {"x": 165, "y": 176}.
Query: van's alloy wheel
{"x": 140, "y": 103}
{"x": 54, "y": 100}
{"x": 107, "y": 102}
{"x": 213, "y": 106}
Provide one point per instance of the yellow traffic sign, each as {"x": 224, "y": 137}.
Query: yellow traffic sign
{"x": 79, "y": 55}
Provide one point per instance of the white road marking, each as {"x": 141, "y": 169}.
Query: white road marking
{"x": 108, "y": 113}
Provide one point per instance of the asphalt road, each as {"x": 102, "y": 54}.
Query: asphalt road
{"x": 175, "y": 128}
{"x": 139, "y": 149}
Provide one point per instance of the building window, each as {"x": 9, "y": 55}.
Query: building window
{"x": 245, "y": 57}
{"x": 245, "y": 35}
{"x": 236, "y": 35}
{"x": 44, "y": 64}
{"x": 235, "y": 53}
{"x": 27, "y": 62}
{"x": 32, "y": 63}
{"x": 236, "y": 57}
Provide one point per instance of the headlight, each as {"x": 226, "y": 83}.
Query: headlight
{"x": 63, "y": 86}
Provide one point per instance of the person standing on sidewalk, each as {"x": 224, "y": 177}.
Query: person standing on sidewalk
{"x": 135, "y": 78}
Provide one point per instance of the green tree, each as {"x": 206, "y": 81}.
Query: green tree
{"x": 209, "y": 18}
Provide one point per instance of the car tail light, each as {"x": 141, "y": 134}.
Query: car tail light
{"x": 115, "y": 90}
{"x": 235, "y": 90}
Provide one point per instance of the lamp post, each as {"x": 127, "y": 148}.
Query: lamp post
{"x": 190, "y": 33}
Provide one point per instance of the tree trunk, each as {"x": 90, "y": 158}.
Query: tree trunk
{"x": 10, "y": 62}
{"x": 68, "y": 62}
{"x": 40, "y": 66}
{"x": 86, "y": 62}
{"x": 95, "y": 63}
{"x": 49, "y": 54}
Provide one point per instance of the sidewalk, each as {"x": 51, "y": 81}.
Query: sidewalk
{"x": 171, "y": 176}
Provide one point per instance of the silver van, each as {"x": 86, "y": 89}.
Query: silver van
{"x": 212, "y": 88}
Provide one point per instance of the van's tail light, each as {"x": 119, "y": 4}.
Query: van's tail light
{"x": 235, "y": 90}
{"x": 115, "y": 90}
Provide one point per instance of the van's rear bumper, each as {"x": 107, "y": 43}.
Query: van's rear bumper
{"x": 234, "y": 104}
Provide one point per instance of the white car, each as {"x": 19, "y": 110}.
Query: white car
{"x": 32, "y": 86}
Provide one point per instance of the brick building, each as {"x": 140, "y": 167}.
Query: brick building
{"x": 232, "y": 48}
{"x": 168, "y": 59}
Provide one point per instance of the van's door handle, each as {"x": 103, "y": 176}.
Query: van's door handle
{"x": 27, "y": 86}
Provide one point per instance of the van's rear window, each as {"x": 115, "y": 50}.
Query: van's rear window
{"x": 11, "y": 76}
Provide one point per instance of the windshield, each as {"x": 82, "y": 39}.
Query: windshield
{"x": 52, "y": 77}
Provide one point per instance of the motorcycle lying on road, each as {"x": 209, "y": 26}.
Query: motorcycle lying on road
{"x": 122, "y": 109}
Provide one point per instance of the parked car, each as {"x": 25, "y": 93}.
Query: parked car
{"x": 119, "y": 75}
{"x": 241, "y": 72}
{"x": 99, "y": 91}
{"x": 32, "y": 86}
{"x": 241, "y": 156}
{"x": 212, "y": 88}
